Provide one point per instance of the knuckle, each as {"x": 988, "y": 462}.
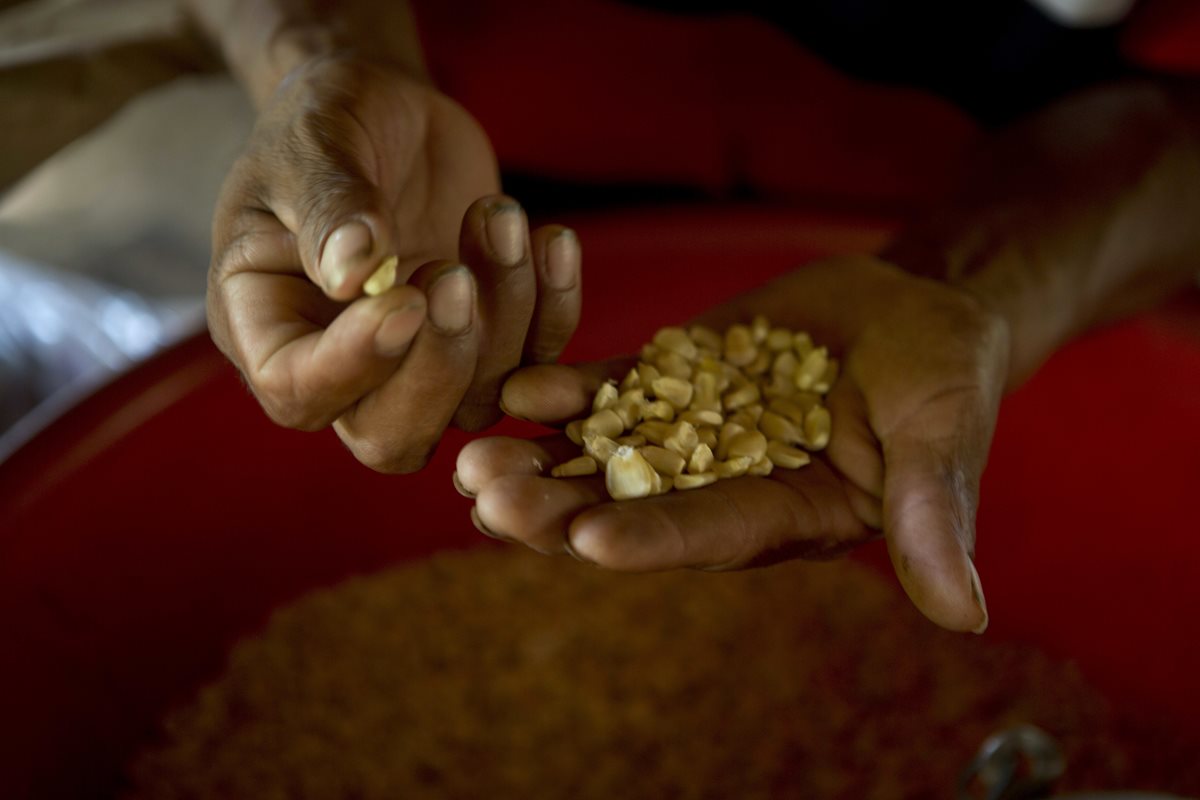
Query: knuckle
{"x": 236, "y": 256}
{"x": 390, "y": 458}
{"x": 516, "y": 283}
{"x": 479, "y": 409}
{"x": 546, "y": 351}
{"x": 968, "y": 316}
{"x": 218, "y": 326}
{"x": 290, "y": 414}
{"x": 244, "y": 185}
{"x": 283, "y": 405}
{"x": 550, "y": 340}
{"x": 557, "y": 324}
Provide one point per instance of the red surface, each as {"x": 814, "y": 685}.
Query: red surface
{"x": 1089, "y": 529}
{"x": 600, "y": 91}
{"x": 1164, "y": 36}
{"x": 166, "y": 516}
{"x": 150, "y": 527}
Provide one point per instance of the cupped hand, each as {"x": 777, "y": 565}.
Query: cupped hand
{"x": 923, "y": 371}
{"x": 349, "y": 164}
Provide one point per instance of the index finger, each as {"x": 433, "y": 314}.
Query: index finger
{"x": 306, "y": 358}
{"x": 730, "y": 524}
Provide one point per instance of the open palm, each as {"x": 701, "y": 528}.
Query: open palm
{"x": 923, "y": 371}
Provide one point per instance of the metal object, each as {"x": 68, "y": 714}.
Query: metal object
{"x": 1023, "y": 763}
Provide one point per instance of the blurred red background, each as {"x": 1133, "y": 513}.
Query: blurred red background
{"x": 165, "y": 517}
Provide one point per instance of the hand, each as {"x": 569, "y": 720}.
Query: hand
{"x": 923, "y": 371}
{"x": 349, "y": 163}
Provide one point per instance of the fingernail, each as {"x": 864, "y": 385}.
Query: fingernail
{"x": 383, "y": 278}
{"x": 562, "y": 260}
{"x": 977, "y": 592}
{"x": 451, "y": 300}
{"x": 484, "y": 528}
{"x": 343, "y": 249}
{"x": 397, "y": 330}
{"x": 571, "y": 552}
{"x": 460, "y": 488}
{"x": 505, "y": 233}
{"x": 508, "y": 411}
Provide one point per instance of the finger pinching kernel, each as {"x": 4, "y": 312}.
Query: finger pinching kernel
{"x": 702, "y": 406}
{"x": 382, "y": 278}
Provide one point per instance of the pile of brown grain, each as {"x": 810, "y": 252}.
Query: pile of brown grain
{"x": 507, "y": 675}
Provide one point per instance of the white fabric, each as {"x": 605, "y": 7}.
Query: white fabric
{"x": 131, "y": 203}
{"x": 104, "y": 249}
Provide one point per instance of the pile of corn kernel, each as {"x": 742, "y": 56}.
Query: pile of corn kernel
{"x": 700, "y": 406}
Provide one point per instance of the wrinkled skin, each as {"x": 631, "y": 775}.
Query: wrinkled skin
{"x": 345, "y": 141}
{"x": 924, "y": 367}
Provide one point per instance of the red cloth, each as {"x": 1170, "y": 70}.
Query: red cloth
{"x": 598, "y": 91}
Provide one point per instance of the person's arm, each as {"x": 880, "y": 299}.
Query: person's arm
{"x": 1087, "y": 212}
{"x": 1078, "y": 216}
{"x": 359, "y": 167}
{"x": 264, "y": 40}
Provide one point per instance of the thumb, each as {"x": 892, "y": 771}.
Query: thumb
{"x": 343, "y": 229}
{"x": 931, "y": 491}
